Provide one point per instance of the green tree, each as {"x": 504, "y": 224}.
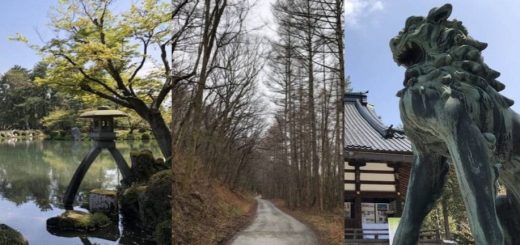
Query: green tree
{"x": 97, "y": 52}
{"x": 23, "y": 102}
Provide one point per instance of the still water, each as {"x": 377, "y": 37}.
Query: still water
{"x": 34, "y": 176}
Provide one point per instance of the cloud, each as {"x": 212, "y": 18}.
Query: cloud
{"x": 357, "y": 9}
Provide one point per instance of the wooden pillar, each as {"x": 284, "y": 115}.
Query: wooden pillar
{"x": 398, "y": 194}
{"x": 357, "y": 212}
{"x": 357, "y": 199}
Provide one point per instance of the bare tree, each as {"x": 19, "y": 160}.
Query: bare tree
{"x": 306, "y": 67}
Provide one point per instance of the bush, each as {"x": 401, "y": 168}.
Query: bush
{"x": 59, "y": 119}
{"x": 62, "y": 133}
{"x": 54, "y": 134}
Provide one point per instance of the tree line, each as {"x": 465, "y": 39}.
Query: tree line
{"x": 29, "y": 104}
{"x": 303, "y": 147}
{"x": 217, "y": 109}
{"x": 26, "y": 104}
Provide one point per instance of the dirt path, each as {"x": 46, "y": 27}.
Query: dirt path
{"x": 274, "y": 227}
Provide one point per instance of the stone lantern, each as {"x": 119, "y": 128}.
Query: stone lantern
{"x": 103, "y": 135}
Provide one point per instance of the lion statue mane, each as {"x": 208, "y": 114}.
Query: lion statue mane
{"x": 453, "y": 115}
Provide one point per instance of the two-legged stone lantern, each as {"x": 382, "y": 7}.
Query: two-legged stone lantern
{"x": 103, "y": 135}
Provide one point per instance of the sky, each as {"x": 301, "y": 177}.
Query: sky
{"x": 30, "y": 18}
{"x": 370, "y": 24}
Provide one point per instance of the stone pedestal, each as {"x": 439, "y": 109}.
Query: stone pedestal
{"x": 104, "y": 201}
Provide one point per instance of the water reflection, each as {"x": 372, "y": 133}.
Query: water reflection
{"x": 34, "y": 176}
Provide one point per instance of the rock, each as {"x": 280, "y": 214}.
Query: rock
{"x": 104, "y": 201}
{"x": 144, "y": 165}
{"x": 155, "y": 203}
{"x": 149, "y": 204}
{"x": 73, "y": 220}
{"x": 148, "y": 201}
{"x": 10, "y": 236}
{"x": 130, "y": 202}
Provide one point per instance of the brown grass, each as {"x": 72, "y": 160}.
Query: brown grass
{"x": 204, "y": 210}
{"x": 327, "y": 224}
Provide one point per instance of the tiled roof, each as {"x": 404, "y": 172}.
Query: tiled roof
{"x": 364, "y": 131}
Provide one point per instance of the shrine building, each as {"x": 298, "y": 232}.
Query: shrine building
{"x": 377, "y": 165}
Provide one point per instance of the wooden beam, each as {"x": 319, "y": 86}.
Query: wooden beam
{"x": 370, "y": 171}
{"x": 350, "y": 195}
{"x": 370, "y": 182}
{"x": 364, "y": 156}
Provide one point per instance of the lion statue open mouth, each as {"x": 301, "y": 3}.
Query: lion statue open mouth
{"x": 452, "y": 113}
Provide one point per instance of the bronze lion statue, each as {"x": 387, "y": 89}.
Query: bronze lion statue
{"x": 453, "y": 115}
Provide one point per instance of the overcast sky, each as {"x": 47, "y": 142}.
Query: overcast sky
{"x": 371, "y": 23}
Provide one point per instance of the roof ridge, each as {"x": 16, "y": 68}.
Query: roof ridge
{"x": 374, "y": 122}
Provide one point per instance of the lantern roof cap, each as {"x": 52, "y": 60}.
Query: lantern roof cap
{"x": 102, "y": 111}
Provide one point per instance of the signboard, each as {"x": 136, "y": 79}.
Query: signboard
{"x": 393, "y": 223}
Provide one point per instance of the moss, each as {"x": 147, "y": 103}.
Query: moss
{"x": 10, "y": 236}
{"x": 104, "y": 192}
{"x": 130, "y": 201}
{"x": 155, "y": 203}
{"x": 73, "y": 220}
{"x": 149, "y": 204}
{"x": 163, "y": 233}
{"x": 144, "y": 165}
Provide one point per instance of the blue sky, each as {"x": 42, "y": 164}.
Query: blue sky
{"x": 371, "y": 23}
{"x": 30, "y": 18}
{"x": 369, "y": 26}
{"x": 27, "y": 17}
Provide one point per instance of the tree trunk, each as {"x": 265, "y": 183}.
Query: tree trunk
{"x": 161, "y": 132}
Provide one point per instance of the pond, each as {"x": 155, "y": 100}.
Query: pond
{"x": 34, "y": 176}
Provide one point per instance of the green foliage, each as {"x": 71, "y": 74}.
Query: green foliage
{"x": 163, "y": 232}
{"x": 59, "y": 119}
{"x": 101, "y": 50}
{"x": 98, "y": 55}
{"x": 132, "y": 122}
{"x": 27, "y": 104}
{"x": 23, "y": 103}
{"x": 458, "y": 219}
{"x": 78, "y": 221}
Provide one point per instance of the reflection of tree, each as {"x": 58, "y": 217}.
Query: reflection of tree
{"x": 25, "y": 176}
{"x": 41, "y": 171}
